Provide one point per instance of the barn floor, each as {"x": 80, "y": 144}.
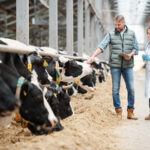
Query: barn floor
{"x": 94, "y": 125}
{"x": 134, "y": 135}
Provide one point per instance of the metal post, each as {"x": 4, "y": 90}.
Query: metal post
{"x": 80, "y": 27}
{"x": 69, "y": 40}
{"x": 92, "y": 34}
{"x": 53, "y": 24}
{"x": 22, "y": 25}
{"x": 87, "y": 27}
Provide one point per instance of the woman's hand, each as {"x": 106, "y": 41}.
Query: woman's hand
{"x": 144, "y": 56}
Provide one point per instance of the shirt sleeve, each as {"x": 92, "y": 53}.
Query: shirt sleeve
{"x": 135, "y": 45}
{"x": 105, "y": 42}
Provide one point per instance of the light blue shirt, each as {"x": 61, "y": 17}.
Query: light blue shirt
{"x": 106, "y": 42}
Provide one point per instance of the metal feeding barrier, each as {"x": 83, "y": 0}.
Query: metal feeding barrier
{"x": 11, "y": 49}
{"x": 28, "y": 50}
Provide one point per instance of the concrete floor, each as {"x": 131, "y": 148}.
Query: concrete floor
{"x": 135, "y": 135}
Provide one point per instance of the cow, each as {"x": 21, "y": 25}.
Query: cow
{"x": 84, "y": 85}
{"x": 99, "y": 70}
{"x": 8, "y": 101}
{"x": 14, "y": 61}
{"x": 34, "y": 107}
{"x": 67, "y": 70}
{"x": 35, "y": 59}
{"x": 64, "y": 107}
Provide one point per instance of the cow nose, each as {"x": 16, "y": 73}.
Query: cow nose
{"x": 54, "y": 122}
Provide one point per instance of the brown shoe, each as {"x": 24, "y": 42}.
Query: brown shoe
{"x": 131, "y": 114}
{"x": 147, "y": 117}
{"x": 119, "y": 112}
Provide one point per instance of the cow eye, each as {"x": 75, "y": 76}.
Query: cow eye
{"x": 39, "y": 97}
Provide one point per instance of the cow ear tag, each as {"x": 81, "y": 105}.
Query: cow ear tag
{"x": 57, "y": 78}
{"x": 24, "y": 93}
{"x": 77, "y": 81}
{"x": 17, "y": 117}
{"x": 45, "y": 64}
{"x": 29, "y": 67}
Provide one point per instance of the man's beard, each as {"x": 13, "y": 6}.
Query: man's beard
{"x": 120, "y": 30}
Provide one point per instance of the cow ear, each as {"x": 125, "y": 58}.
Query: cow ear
{"x": 71, "y": 63}
{"x": 48, "y": 59}
{"x": 26, "y": 87}
{"x": 61, "y": 64}
{"x": 67, "y": 64}
{"x": 36, "y": 60}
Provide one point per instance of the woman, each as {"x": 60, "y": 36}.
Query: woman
{"x": 146, "y": 57}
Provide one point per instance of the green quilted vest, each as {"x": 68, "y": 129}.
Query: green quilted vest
{"x": 120, "y": 44}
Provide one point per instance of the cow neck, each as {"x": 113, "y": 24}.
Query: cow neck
{"x": 58, "y": 75}
{"x": 20, "y": 82}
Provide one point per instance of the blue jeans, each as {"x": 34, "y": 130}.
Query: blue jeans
{"x": 127, "y": 74}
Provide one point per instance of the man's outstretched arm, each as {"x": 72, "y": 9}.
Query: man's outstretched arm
{"x": 101, "y": 47}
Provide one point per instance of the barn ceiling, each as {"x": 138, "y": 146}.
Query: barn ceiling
{"x": 136, "y": 12}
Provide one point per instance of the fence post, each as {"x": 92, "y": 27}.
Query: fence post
{"x": 87, "y": 27}
{"x": 80, "y": 27}
{"x": 53, "y": 24}
{"x": 69, "y": 24}
{"x": 22, "y": 24}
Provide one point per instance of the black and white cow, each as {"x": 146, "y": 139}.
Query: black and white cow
{"x": 83, "y": 85}
{"x": 64, "y": 107}
{"x": 34, "y": 106}
{"x": 8, "y": 101}
{"x": 68, "y": 70}
{"x": 99, "y": 70}
{"x": 14, "y": 61}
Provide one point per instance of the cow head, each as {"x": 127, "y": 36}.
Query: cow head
{"x": 65, "y": 107}
{"x": 73, "y": 70}
{"x": 54, "y": 103}
{"x": 38, "y": 64}
{"x": 36, "y": 109}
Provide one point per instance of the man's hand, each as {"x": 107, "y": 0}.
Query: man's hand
{"x": 129, "y": 56}
{"x": 97, "y": 52}
{"x": 90, "y": 60}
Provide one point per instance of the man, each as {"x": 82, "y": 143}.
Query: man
{"x": 121, "y": 41}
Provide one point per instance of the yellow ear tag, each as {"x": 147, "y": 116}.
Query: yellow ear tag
{"x": 77, "y": 81}
{"x": 24, "y": 93}
{"x": 18, "y": 118}
{"x": 57, "y": 79}
{"x": 45, "y": 64}
{"x": 29, "y": 67}
{"x": 57, "y": 65}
